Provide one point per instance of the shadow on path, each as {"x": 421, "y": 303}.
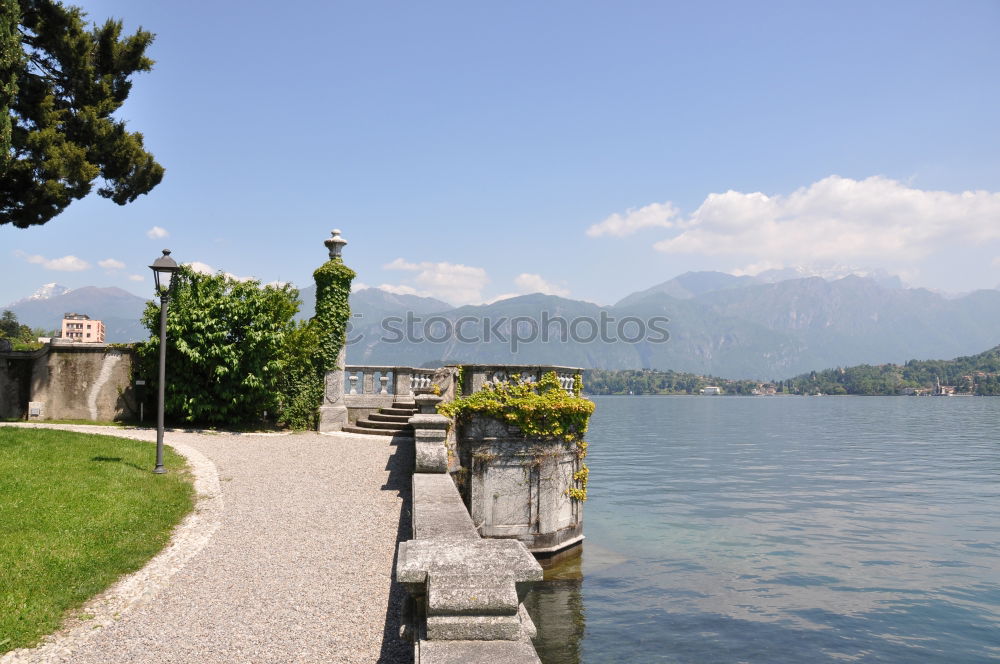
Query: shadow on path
{"x": 400, "y": 466}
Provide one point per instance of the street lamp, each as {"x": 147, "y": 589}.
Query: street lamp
{"x": 163, "y": 269}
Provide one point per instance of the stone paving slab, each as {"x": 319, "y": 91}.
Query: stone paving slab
{"x": 293, "y": 562}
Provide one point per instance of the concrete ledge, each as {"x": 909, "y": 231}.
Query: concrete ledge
{"x": 421, "y": 558}
{"x": 476, "y": 652}
{"x": 439, "y": 511}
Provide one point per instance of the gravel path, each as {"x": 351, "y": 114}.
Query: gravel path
{"x": 291, "y": 563}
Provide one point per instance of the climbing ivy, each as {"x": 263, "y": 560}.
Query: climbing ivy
{"x": 312, "y": 348}
{"x": 333, "y": 287}
{"x": 542, "y": 410}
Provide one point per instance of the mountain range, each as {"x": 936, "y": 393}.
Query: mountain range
{"x": 762, "y": 327}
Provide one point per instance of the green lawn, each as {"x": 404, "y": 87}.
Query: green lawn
{"x": 76, "y": 512}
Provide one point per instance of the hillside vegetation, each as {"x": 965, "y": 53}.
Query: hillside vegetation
{"x": 976, "y": 374}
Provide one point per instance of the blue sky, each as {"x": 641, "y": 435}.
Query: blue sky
{"x": 471, "y": 150}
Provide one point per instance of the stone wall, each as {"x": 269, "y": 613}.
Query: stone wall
{"x": 69, "y": 382}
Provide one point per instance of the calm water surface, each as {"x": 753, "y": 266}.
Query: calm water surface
{"x": 784, "y": 529}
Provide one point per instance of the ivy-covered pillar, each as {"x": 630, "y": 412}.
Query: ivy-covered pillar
{"x": 333, "y": 288}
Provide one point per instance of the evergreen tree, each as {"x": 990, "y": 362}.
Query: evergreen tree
{"x": 60, "y": 83}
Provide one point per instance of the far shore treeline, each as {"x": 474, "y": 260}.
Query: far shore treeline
{"x": 976, "y": 374}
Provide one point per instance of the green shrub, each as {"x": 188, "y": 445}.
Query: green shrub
{"x": 225, "y": 339}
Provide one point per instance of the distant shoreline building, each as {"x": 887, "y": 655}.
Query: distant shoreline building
{"x": 82, "y": 328}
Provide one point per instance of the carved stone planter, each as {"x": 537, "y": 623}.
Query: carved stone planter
{"x": 518, "y": 487}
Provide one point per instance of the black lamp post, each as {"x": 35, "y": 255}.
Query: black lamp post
{"x": 163, "y": 269}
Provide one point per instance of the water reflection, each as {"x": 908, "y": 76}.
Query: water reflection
{"x": 556, "y": 608}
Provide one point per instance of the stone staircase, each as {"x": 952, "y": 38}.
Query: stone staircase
{"x": 390, "y": 421}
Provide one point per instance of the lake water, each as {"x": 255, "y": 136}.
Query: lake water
{"x": 783, "y": 529}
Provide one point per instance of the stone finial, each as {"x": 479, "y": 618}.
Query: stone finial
{"x": 335, "y": 243}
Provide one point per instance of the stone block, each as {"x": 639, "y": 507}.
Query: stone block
{"x": 476, "y": 652}
{"x": 332, "y": 418}
{"x": 430, "y": 457}
{"x": 455, "y": 593}
{"x": 427, "y": 403}
{"x": 419, "y": 558}
{"x": 473, "y": 628}
{"x": 430, "y": 432}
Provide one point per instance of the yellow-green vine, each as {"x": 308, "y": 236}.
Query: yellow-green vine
{"x": 542, "y": 410}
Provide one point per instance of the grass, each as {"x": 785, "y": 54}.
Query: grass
{"x": 77, "y": 511}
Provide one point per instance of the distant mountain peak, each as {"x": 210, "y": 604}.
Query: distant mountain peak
{"x": 830, "y": 273}
{"x": 48, "y": 291}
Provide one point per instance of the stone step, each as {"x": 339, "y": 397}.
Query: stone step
{"x": 377, "y": 432}
{"x": 371, "y": 424}
{"x": 383, "y": 417}
{"x": 398, "y": 410}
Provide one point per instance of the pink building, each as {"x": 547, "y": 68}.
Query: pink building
{"x": 80, "y": 327}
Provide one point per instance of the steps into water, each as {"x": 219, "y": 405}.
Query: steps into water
{"x": 391, "y": 421}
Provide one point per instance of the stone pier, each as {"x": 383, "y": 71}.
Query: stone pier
{"x": 466, "y": 592}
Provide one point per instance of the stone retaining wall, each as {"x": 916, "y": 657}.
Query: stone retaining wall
{"x": 68, "y": 382}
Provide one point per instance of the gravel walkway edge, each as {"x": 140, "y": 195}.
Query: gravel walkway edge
{"x": 138, "y": 588}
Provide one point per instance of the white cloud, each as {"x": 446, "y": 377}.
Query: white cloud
{"x": 534, "y": 283}
{"x": 111, "y": 264}
{"x": 64, "y": 264}
{"x": 205, "y": 268}
{"x": 201, "y": 268}
{"x": 452, "y": 282}
{"x": 136, "y": 277}
{"x": 358, "y": 285}
{"x": 156, "y": 233}
{"x": 835, "y": 220}
{"x": 653, "y": 215}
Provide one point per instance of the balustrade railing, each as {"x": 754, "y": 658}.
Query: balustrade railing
{"x": 373, "y": 380}
{"x": 404, "y": 382}
{"x": 476, "y": 376}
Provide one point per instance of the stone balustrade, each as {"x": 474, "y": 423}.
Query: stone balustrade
{"x": 476, "y": 376}
{"x": 367, "y": 388}
{"x": 373, "y": 380}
